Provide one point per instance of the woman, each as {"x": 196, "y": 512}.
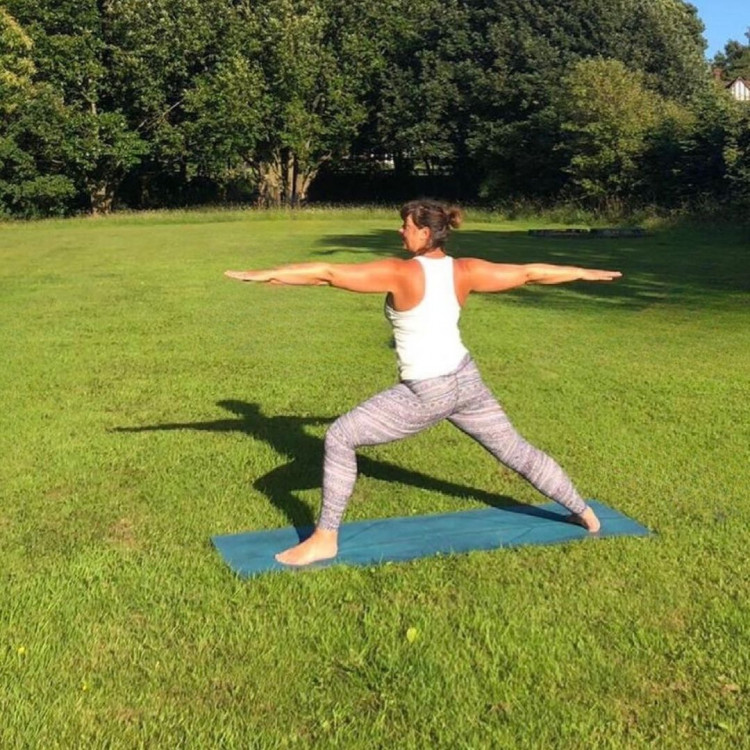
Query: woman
{"x": 438, "y": 379}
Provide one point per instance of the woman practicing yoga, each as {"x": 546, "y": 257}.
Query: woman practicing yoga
{"x": 438, "y": 378}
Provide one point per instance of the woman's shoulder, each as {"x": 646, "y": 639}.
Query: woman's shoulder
{"x": 467, "y": 265}
{"x": 475, "y": 265}
{"x": 467, "y": 271}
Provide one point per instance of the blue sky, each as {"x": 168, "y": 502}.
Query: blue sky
{"x": 724, "y": 20}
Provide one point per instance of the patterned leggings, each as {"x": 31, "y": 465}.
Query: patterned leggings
{"x": 413, "y": 405}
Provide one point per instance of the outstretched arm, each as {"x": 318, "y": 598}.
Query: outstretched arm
{"x": 378, "y": 276}
{"x": 484, "y": 276}
{"x": 298, "y": 274}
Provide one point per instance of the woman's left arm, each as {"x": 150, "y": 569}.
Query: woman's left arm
{"x": 545, "y": 273}
{"x": 298, "y": 274}
{"x": 484, "y": 276}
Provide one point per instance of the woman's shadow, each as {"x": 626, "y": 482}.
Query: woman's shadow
{"x": 287, "y": 436}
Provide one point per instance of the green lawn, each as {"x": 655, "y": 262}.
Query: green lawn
{"x": 149, "y": 403}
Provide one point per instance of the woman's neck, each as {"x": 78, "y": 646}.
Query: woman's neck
{"x": 433, "y": 252}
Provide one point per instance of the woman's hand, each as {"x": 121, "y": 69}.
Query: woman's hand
{"x": 592, "y": 274}
{"x": 247, "y": 275}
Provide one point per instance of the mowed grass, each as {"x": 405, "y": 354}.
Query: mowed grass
{"x": 149, "y": 403}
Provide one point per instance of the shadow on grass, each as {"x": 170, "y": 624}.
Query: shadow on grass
{"x": 286, "y": 435}
{"x": 683, "y": 265}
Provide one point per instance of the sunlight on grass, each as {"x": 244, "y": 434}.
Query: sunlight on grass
{"x": 148, "y": 403}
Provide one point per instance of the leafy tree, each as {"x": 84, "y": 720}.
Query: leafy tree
{"x": 734, "y": 61}
{"x": 529, "y": 47}
{"x": 699, "y": 154}
{"x": 31, "y": 117}
{"x": 16, "y": 65}
{"x": 252, "y": 95}
{"x": 311, "y": 58}
{"x": 420, "y": 113}
{"x": 606, "y": 114}
{"x": 167, "y": 60}
{"x": 70, "y": 57}
{"x": 712, "y": 145}
{"x": 664, "y": 40}
{"x": 737, "y": 158}
{"x": 245, "y": 97}
{"x": 226, "y": 112}
{"x": 666, "y": 159}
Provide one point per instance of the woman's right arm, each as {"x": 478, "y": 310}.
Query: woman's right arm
{"x": 377, "y": 276}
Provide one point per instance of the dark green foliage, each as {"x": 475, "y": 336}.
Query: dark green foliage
{"x": 176, "y": 101}
{"x": 737, "y": 157}
{"x": 534, "y": 45}
{"x": 32, "y": 144}
{"x": 700, "y": 154}
{"x": 30, "y": 179}
{"x": 77, "y": 143}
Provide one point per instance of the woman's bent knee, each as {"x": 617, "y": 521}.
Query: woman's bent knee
{"x": 340, "y": 433}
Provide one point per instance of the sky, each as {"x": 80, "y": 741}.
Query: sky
{"x": 724, "y": 20}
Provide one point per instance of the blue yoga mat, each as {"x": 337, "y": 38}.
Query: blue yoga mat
{"x": 397, "y": 539}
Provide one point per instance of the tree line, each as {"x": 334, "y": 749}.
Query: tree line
{"x": 151, "y": 103}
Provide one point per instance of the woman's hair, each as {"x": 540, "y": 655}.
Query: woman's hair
{"x": 439, "y": 217}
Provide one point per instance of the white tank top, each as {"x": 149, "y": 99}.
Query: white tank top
{"x": 428, "y": 342}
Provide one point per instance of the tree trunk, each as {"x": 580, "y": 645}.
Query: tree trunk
{"x": 270, "y": 182}
{"x": 302, "y": 182}
{"x": 282, "y": 180}
{"x": 290, "y": 181}
{"x": 101, "y": 194}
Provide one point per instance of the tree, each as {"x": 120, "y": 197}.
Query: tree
{"x": 169, "y": 101}
{"x": 606, "y": 113}
{"x": 666, "y": 161}
{"x": 737, "y": 158}
{"x": 240, "y": 94}
{"x": 699, "y": 154}
{"x": 226, "y": 113}
{"x": 310, "y": 59}
{"x": 167, "y": 61}
{"x": 664, "y": 40}
{"x": 526, "y": 48}
{"x": 70, "y": 57}
{"x": 713, "y": 147}
{"x": 734, "y": 61}
{"x": 16, "y": 65}
{"x": 420, "y": 112}
{"x": 32, "y": 181}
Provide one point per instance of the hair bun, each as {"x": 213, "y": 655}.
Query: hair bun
{"x": 454, "y": 216}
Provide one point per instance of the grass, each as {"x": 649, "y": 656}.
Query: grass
{"x": 148, "y": 404}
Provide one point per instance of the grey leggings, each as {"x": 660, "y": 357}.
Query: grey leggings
{"x": 413, "y": 405}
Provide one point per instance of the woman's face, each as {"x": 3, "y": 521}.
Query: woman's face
{"x": 415, "y": 238}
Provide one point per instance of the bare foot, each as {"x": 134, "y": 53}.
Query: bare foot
{"x": 587, "y": 519}
{"x": 322, "y": 545}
